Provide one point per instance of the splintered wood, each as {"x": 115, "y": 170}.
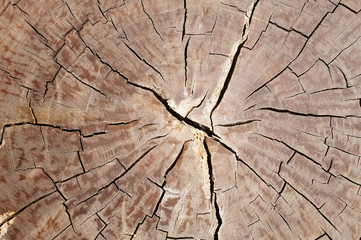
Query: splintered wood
{"x": 181, "y": 119}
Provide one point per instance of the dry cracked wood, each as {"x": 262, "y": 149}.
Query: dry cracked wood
{"x": 153, "y": 119}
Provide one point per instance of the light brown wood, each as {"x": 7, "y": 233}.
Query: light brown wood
{"x": 192, "y": 119}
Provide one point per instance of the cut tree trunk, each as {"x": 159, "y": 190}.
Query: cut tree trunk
{"x": 169, "y": 119}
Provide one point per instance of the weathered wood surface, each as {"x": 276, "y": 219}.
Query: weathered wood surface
{"x": 188, "y": 119}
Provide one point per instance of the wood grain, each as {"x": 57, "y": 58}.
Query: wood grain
{"x": 193, "y": 119}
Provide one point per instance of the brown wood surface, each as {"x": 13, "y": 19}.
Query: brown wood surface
{"x": 180, "y": 119}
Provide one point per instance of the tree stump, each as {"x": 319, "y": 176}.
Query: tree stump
{"x": 193, "y": 119}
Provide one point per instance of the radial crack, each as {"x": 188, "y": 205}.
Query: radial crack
{"x": 236, "y": 52}
{"x": 145, "y": 61}
{"x": 211, "y": 189}
{"x": 186, "y": 62}
{"x": 185, "y": 19}
{"x": 155, "y": 29}
{"x": 25, "y": 207}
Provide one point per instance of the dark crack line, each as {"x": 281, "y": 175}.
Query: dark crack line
{"x": 52, "y": 80}
{"x": 138, "y": 226}
{"x": 58, "y": 234}
{"x": 220, "y": 141}
{"x": 122, "y": 123}
{"x": 6, "y": 7}
{"x": 296, "y": 151}
{"x": 344, "y": 77}
{"x": 305, "y": 114}
{"x": 145, "y": 61}
{"x": 184, "y": 19}
{"x": 323, "y": 235}
{"x": 348, "y": 8}
{"x": 32, "y": 113}
{"x": 232, "y": 6}
{"x": 175, "y": 114}
{"x": 186, "y": 62}
{"x": 164, "y": 102}
{"x": 69, "y": 217}
{"x": 115, "y": 27}
{"x": 158, "y": 137}
{"x": 261, "y": 34}
{"x": 283, "y": 188}
{"x": 314, "y": 205}
{"x": 241, "y": 123}
{"x": 218, "y": 216}
{"x": 288, "y": 225}
{"x": 105, "y": 226}
{"x": 244, "y": 39}
{"x": 25, "y": 207}
{"x": 34, "y": 124}
{"x": 350, "y": 180}
{"x": 120, "y": 176}
{"x": 81, "y": 162}
{"x": 170, "y": 168}
{"x": 303, "y": 47}
{"x": 344, "y": 49}
{"x": 319, "y": 24}
{"x": 155, "y": 29}
{"x": 66, "y": 4}
{"x": 62, "y": 196}
{"x": 81, "y": 81}
{"x": 197, "y": 106}
{"x": 40, "y": 34}
{"x": 162, "y": 187}
{"x": 169, "y": 237}
{"x": 101, "y": 11}
{"x": 210, "y": 170}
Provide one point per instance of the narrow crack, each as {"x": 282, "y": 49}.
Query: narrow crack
{"x": 241, "y": 123}
{"x": 220, "y": 141}
{"x": 198, "y": 105}
{"x": 323, "y": 235}
{"x": 295, "y": 151}
{"x": 314, "y": 205}
{"x": 62, "y": 196}
{"x": 288, "y": 225}
{"x": 169, "y": 237}
{"x": 120, "y": 176}
{"x": 34, "y": 124}
{"x": 32, "y": 113}
{"x": 305, "y": 114}
{"x": 101, "y": 230}
{"x": 186, "y": 62}
{"x": 303, "y": 47}
{"x": 67, "y": 5}
{"x": 59, "y": 233}
{"x": 101, "y": 11}
{"x": 25, "y": 207}
{"x": 81, "y": 162}
{"x": 155, "y": 29}
{"x": 145, "y": 61}
{"x": 40, "y": 34}
{"x": 81, "y": 81}
{"x": 162, "y": 187}
{"x": 52, "y": 80}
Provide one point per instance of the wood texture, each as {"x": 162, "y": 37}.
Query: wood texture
{"x": 192, "y": 119}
